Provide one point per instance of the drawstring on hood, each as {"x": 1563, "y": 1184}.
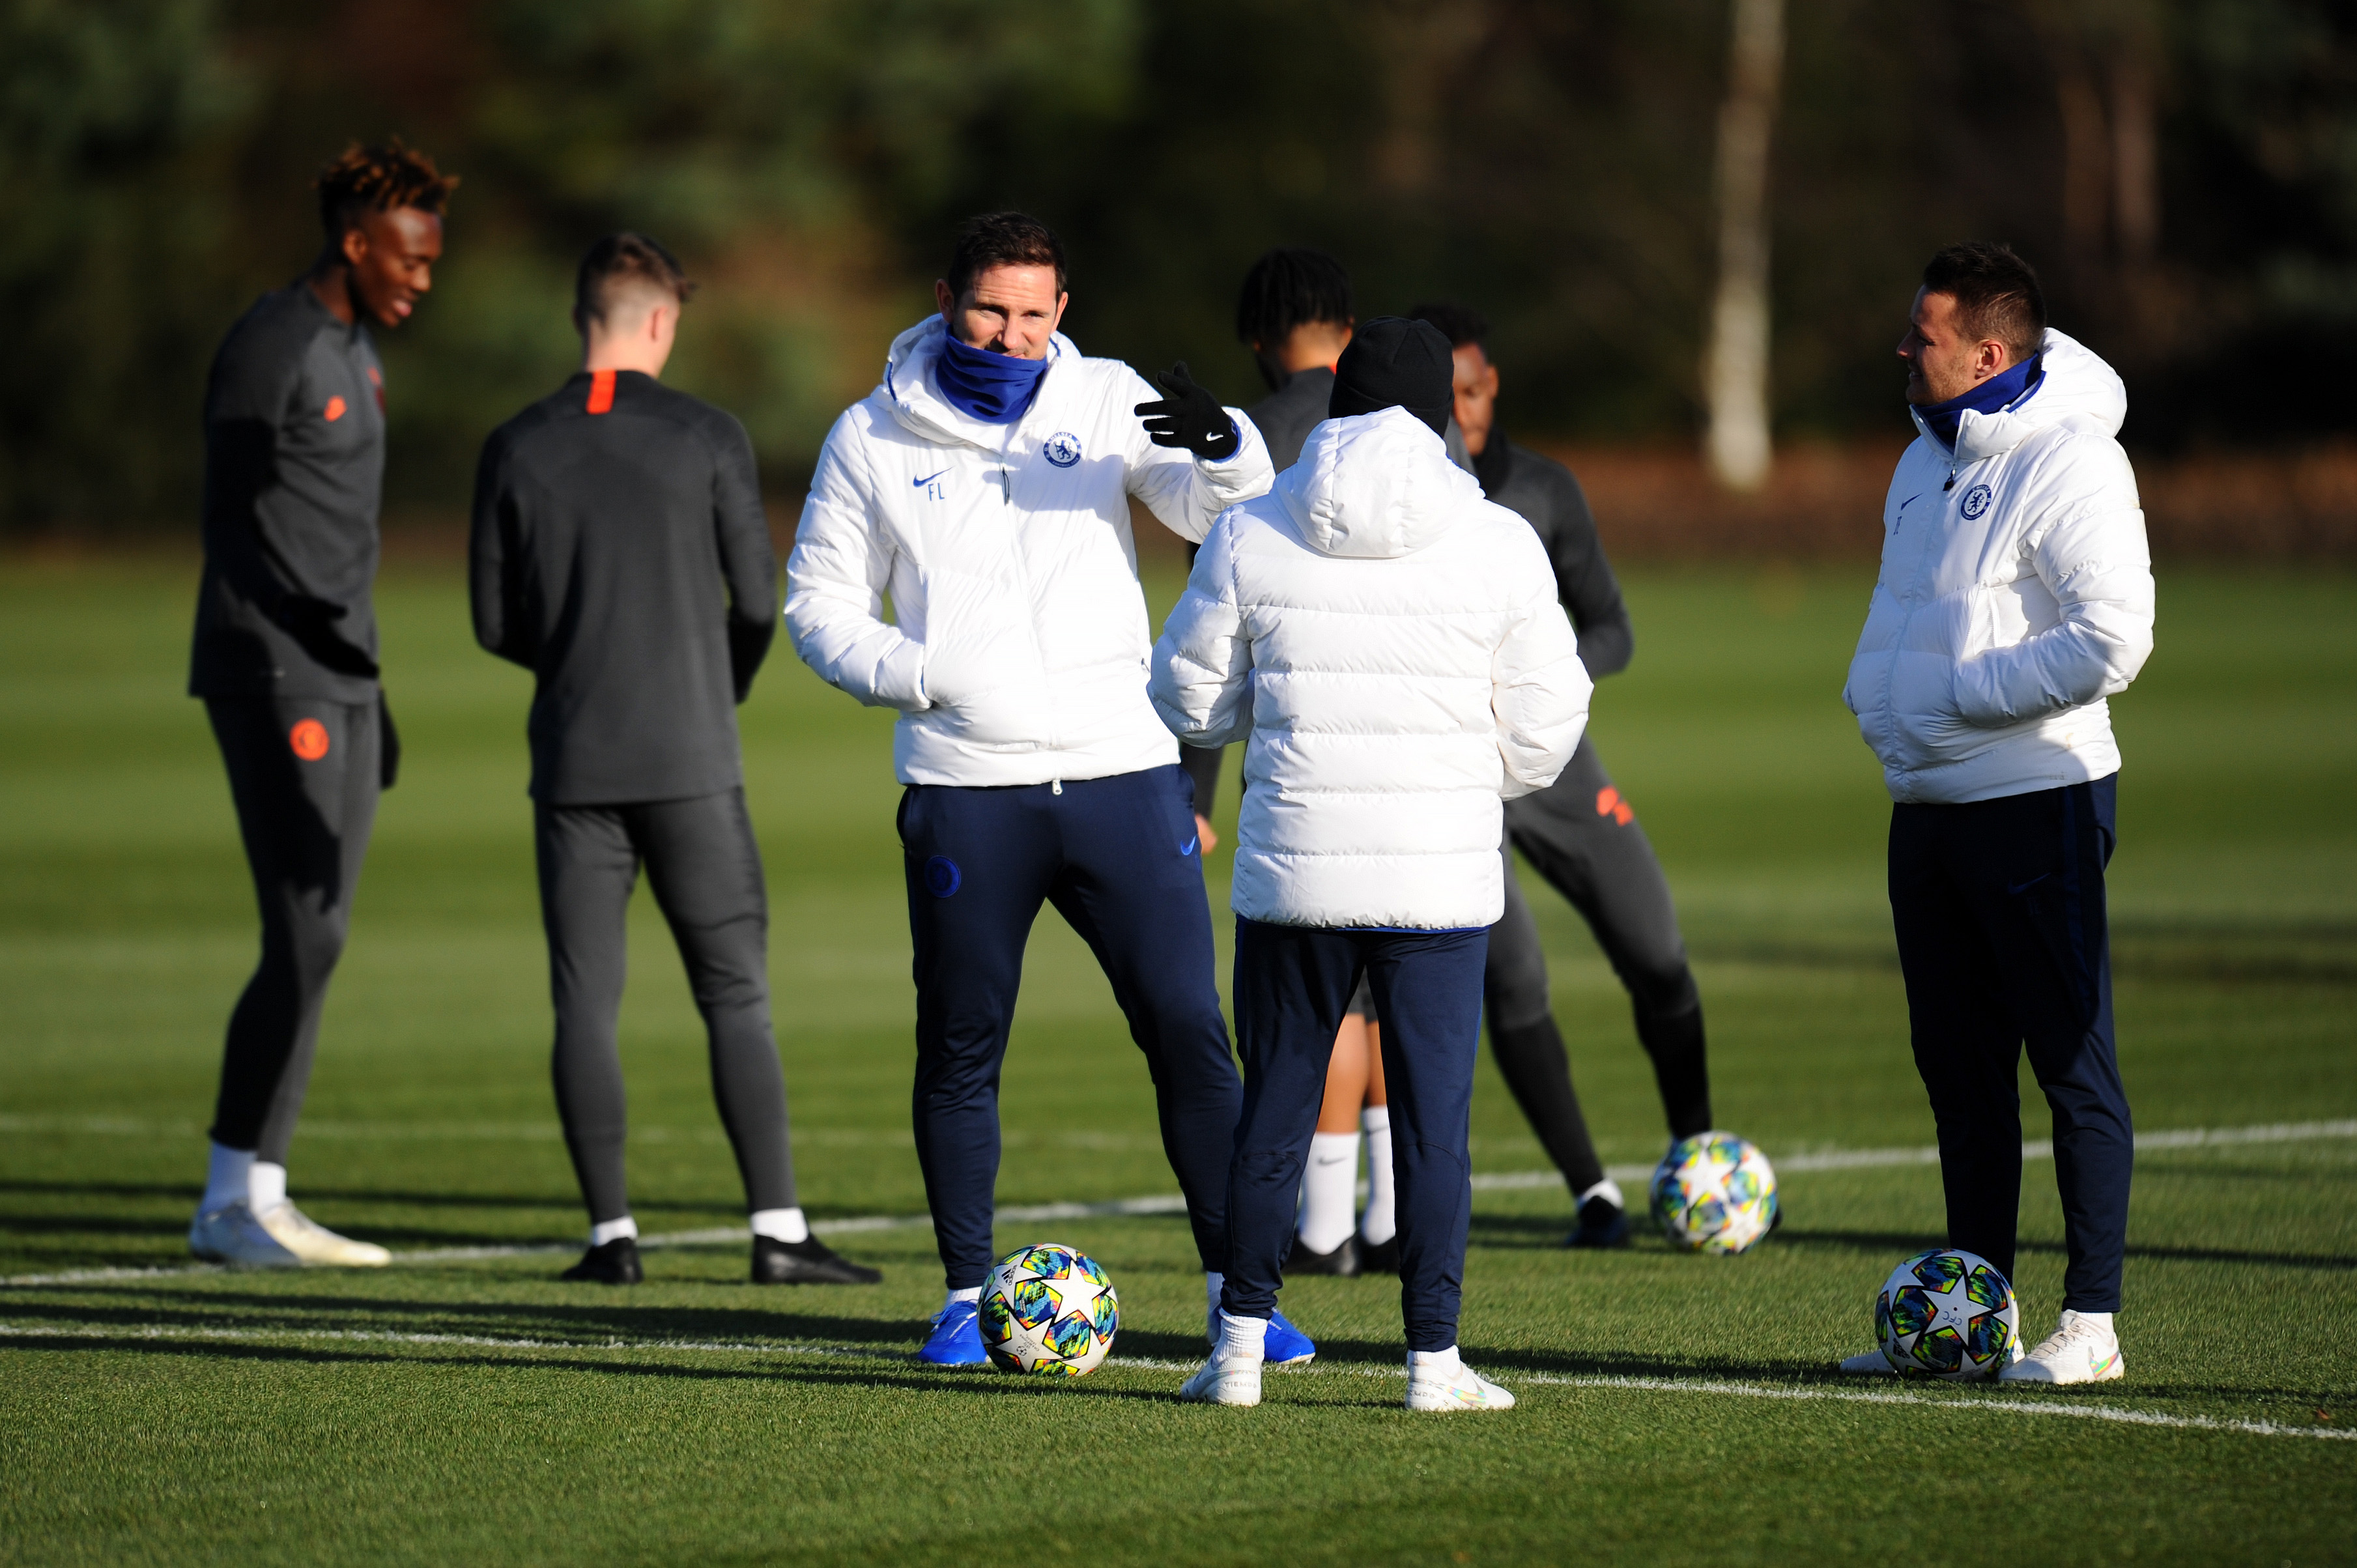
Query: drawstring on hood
{"x": 1374, "y": 486}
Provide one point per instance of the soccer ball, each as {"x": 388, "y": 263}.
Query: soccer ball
{"x": 1948, "y": 1314}
{"x": 1714, "y": 1193}
{"x": 1048, "y": 1309}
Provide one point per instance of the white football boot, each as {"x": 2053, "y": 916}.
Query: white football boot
{"x": 1232, "y": 1374}
{"x": 1441, "y": 1381}
{"x": 315, "y": 1244}
{"x": 2084, "y": 1349}
{"x": 230, "y": 1234}
{"x": 1871, "y": 1364}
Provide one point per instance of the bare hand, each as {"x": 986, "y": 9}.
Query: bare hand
{"x": 1203, "y": 833}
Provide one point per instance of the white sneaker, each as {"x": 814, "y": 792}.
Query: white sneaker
{"x": 2084, "y": 1349}
{"x": 315, "y": 1243}
{"x": 1871, "y": 1364}
{"x": 230, "y": 1234}
{"x": 1223, "y": 1383}
{"x": 1434, "y": 1388}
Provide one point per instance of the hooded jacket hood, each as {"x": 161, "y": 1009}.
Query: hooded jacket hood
{"x": 1374, "y": 486}
{"x": 919, "y": 404}
{"x": 2079, "y": 391}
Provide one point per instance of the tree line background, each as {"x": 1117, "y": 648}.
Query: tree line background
{"x": 2184, "y": 172}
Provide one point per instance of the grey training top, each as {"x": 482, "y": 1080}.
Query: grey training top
{"x": 1549, "y": 499}
{"x": 620, "y": 553}
{"x": 294, "y": 469}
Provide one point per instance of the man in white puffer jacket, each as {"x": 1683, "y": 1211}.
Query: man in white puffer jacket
{"x": 2015, "y": 597}
{"x": 986, "y": 485}
{"x": 1390, "y": 646}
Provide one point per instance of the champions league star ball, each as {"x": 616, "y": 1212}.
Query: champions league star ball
{"x": 1048, "y": 1309}
{"x": 1714, "y": 1193}
{"x": 1947, "y": 1313}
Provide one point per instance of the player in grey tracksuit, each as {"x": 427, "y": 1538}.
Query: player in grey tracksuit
{"x": 1580, "y": 833}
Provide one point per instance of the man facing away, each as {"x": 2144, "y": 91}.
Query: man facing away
{"x": 286, "y": 659}
{"x": 1391, "y": 644}
{"x": 2015, "y": 597}
{"x": 985, "y": 484}
{"x": 1579, "y": 833}
{"x": 611, "y": 519}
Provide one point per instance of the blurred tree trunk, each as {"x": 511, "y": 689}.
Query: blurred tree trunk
{"x": 1735, "y": 366}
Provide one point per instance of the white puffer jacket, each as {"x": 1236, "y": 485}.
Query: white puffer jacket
{"x": 1019, "y": 652}
{"x": 2015, "y": 595}
{"x": 1392, "y": 645}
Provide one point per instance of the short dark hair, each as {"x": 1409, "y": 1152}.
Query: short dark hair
{"x": 1003, "y": 239}
{"x": 1290, "y": 286}
{"x": 1996, "y": 292}
{"x": 619, "y": 261}
{"x": 378, "y": 180}
{"x": 1461, "y": 325}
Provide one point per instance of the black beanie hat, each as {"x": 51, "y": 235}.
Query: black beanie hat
{"x": 1393, "y": 362}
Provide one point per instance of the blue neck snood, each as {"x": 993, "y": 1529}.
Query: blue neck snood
{"x": 2006, "y": 389}
{"x": 997, "y": 389}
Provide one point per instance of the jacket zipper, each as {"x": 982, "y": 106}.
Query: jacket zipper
{"x": 1022, "y": 572}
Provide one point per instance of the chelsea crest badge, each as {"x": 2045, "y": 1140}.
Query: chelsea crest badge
{"x": 1977, "y": 502}
{"x": 1063, "y": 449}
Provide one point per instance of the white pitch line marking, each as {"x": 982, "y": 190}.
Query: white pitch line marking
{"x": 1697, "y": 1386}
{"x": 1171, "y": 1203}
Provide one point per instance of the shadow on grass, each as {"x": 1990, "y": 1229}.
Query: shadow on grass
{"x": 981, "y": 1382}
{"x": 186, "y": 1308}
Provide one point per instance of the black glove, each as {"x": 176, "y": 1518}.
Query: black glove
{"x": 1189, "y": 417}
{"x": 312, "y": 623}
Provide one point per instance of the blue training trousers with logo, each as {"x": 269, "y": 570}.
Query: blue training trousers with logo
{"x": 1293, "y": 984}
{"x": 1118, "y": 859}
{"x": 2005, "y": 942}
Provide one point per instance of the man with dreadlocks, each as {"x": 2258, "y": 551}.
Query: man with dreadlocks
{"x": 286, "y": 658}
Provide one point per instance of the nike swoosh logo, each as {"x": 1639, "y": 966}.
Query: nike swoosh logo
{"x": 1335, "y": 1160}
{"x": 929, "y": 479}
{"x": 2026, "y": 886}
{"x": 1188, "y": 847}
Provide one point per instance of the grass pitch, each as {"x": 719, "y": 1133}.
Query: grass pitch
{"x": 465, "y": 1406}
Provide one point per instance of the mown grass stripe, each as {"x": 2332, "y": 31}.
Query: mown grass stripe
{"x": 1960, "y": 1399}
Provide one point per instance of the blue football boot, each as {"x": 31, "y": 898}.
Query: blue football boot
{"x": 956, "y": 1340}
{"x": 1285, "y": 1345}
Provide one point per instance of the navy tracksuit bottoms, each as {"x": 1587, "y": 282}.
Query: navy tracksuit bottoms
{"x": 2004, "y": 942}
{"x": 1118, "y": 859}
{"x": 1293, "y": 985}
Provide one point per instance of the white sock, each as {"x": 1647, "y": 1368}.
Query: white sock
{"x": 606, "y": 1231}
{"x": 1329, "y": 1190}
{"x": 957, "y": 1296}
{"x": 225, "y": 1178}
{"x": 2102, "y": 1320}
{"x": 1607, "y": 1188}
{"x": 1381, "y": 1222}
{"x": 1435, "y": 1363}
{"x": 780, "y": 1224}
{"x": 265, "y": 1186}
{"x": 1241, "y": 1339}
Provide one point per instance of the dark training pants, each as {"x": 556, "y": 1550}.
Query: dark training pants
{"x": 706, "y": 870}
{"x": 1293, "y": 983}
{"x": 304, "y": 774}
{"x": 1118, "y": 858}
{"x": 1584, "y": 839}
{"x": 2004, "y": 942}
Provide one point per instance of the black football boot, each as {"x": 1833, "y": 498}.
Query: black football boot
{"x": 809, "y": 1262}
